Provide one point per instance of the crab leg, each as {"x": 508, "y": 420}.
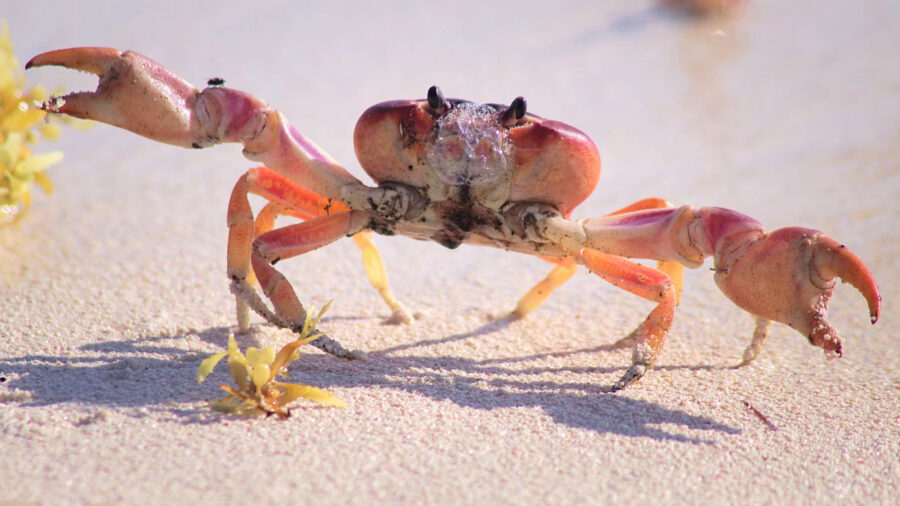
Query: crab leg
{"x": 291, "y": 241}
{"x": 140, "y": 95}
{"x": 285, "y": 197}
{"x": 674, "y": 270}
{"x": 253, "y": 247}
{"x": 250, "y": 256}
{"x": 288, "y": 198}
{"x": 538, "y": 294}
{"x": 567, "y": 268}
{"x": 786, "y": 276}
{"x": 644, "y": 282}
{"x": 378, "y": 277}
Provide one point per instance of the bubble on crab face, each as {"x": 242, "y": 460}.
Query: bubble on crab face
{"x": 470, "y": 146}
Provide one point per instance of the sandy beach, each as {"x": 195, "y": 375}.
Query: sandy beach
{"x": 113, "y": 289}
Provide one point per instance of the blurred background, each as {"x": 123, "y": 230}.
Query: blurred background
{"x": 786, "y": 110}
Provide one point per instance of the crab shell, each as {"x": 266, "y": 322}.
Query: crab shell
{"x": 550, "y": 162}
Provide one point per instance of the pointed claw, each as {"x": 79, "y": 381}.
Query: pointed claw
{"x": 788, "y": 276}
{"x": 634, "y": 373}
{"x": 134, "y": 93}
{"x": 833, "y": 259}
{"x": 95, "y": 60}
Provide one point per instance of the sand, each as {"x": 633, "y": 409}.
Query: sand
{"x": 113, "y": 290}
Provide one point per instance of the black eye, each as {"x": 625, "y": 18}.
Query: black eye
{"x": 436, "y": 100}
{"x": 514, "y": 112}
{"x": 519, "y": 106}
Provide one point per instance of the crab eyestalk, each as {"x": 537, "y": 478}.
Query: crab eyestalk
{"x": 436, "y": 100}
{"x": 514, "y": 113}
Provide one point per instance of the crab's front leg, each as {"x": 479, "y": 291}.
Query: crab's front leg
{"x": 566, "y": 268}
{"x": 142, "y": 96}
{"x": 786, "y": 276}
{"x": 288, "y": 198}
{"x": 138, "y": 94}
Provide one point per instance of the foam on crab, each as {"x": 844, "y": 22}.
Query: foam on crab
{"x": 470, "y": 146}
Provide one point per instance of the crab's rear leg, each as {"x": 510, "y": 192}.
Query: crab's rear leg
{"x": 564, "y": 270}
{"x": 288, "y": 198}
{"x": 378, "y": 277}
{"x": 567, "y": 267}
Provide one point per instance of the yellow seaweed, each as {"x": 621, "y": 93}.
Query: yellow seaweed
{"x": 255, "y": 372}
{"x": 21, "y": 125}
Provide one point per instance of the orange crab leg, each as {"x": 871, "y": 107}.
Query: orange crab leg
{"x": 640, "y": 205}
{"x": 284, "y": 243}
{"x": 541, "y": 291}
{"x": 241, "y": 255}
{"x": 567, "y": 268}
{"x": 292, "y": 196}
{"x": 289, "y": 198}
{"x": 374, "y": 266}
{"x": 650, "y": 284}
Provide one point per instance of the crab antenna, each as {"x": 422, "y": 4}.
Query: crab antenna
{"x": 436, "y": 100}
{"x": 514, "y": 112}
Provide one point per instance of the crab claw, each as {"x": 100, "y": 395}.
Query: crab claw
{"x": 135, "y": 93}
{"x": 788, "y": 276}
{"x": 144, "y": 97}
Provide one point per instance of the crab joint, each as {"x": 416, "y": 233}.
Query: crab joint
{"x": 542, "y": 223}
{"x": 566, "y": 233}
{"x": 390, "y": 201}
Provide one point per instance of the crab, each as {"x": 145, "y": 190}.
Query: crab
{"x": 457, "y": 172}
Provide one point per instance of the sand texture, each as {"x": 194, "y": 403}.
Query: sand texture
{"x": 113, "y": 289}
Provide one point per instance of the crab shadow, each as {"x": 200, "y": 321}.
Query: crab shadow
{"x": 144, "y": 373}
{"x": 131, "y": 374}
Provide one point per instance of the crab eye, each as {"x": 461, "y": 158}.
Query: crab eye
{"x": 514, "y": 112}
{"x": 436, "y": 100}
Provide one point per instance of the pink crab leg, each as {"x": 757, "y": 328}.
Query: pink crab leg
{"x": 140, "y": 95}
{"x": 650, "y": 284}
{"x": 289, "y": 198}
{"x": 567, "y": 268}
{"x": 786, "y": 276}
{"x": 674, "y": 270}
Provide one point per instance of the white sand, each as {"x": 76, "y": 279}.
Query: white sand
{"x": 113, "y": 289}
